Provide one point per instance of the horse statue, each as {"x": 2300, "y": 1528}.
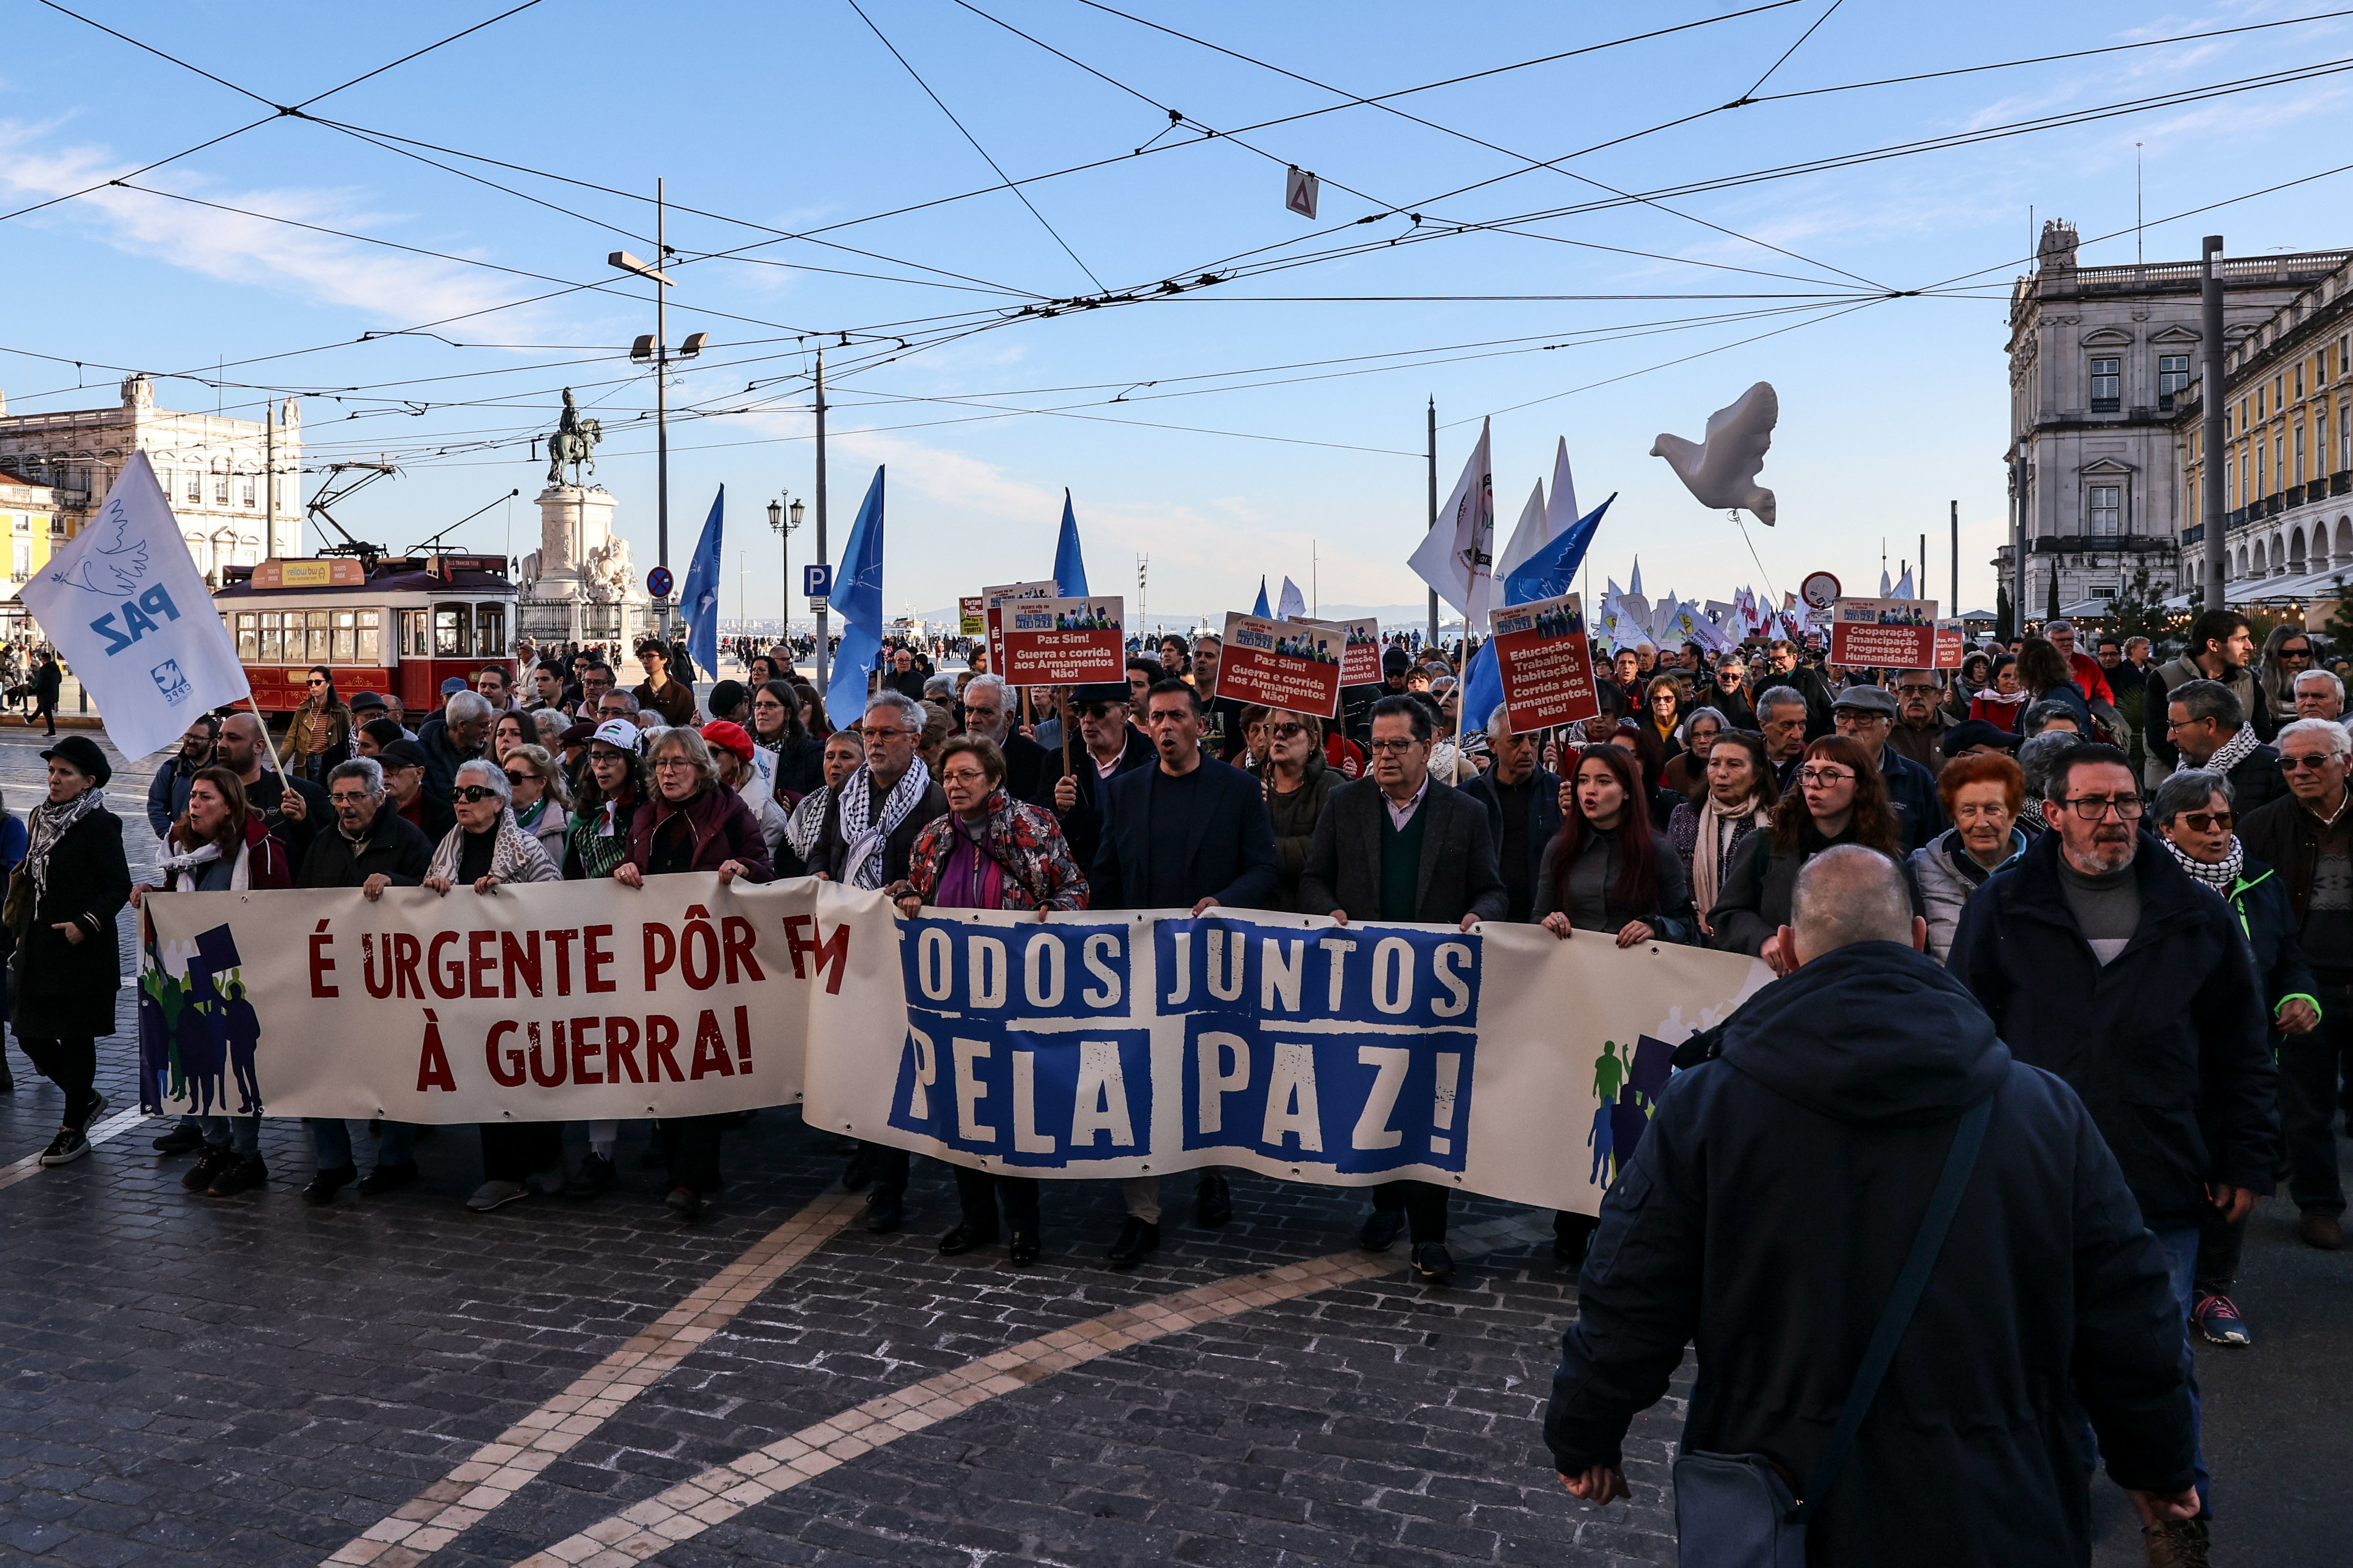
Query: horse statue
{"x": 574, "y": 441}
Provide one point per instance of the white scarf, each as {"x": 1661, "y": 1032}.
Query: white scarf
{"x": 1707, "y": 855}
{"x": 49, "y": 822}
{"x": 188, "y": 864}
{"x": 862, "y": 865}
{"x": 2222, "y": 877}
{"x": 514, "y": 858}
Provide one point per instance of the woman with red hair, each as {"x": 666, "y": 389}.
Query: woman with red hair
{"x": 1840, "y": 799}
{"x": 1607, "y": 870}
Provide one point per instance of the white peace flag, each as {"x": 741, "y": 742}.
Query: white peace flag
{"x": 1457, "y": 557}
{"x": 124, "y": 607}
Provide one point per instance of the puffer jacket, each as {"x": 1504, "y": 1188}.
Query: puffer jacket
{"x": 1947, "y": 874}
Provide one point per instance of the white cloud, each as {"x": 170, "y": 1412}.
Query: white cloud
{"x": 250, "y": 251}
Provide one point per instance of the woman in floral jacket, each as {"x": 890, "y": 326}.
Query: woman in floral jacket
{"x": 989, "y": 852}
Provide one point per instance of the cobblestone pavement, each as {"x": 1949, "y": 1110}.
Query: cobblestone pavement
{"x": 254, "y": 1382}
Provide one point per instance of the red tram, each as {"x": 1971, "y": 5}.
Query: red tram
{"x": 401, "y": 624}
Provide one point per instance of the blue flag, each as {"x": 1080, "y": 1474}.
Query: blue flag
{"x": 857, "y": 594}
{"x": 699, "y": 599}
{"x": 1550, "y": 572}
{"x": 1259, "y": 609}
{"x": 1069, "y": 566}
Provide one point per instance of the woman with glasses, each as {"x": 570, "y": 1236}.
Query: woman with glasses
{"x": 2194, "y": 819}
{"x": 1841, "y": 798}
{"x": 1687, "y": 770}
{"x": 541, "y": 802}
{"x": 988, "y": 852}
{"x": 1662, "y": 711}
{"x": 1607, "y": 870}
{"x": 320, "y": 736}
{"x": 692, "y": 823}
{"x": 1983, "y": 794}
{"x": 776, "y": 727}
{"x": 1707, "y": 833}
{"x": 1297, "y": 780}
{"x": 613, "y": 788}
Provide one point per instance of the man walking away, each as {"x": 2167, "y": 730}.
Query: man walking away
{"x": 1792, "y": 1176}
{"x": 2099, "y": 958}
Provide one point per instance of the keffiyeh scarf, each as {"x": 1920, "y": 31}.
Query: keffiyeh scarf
{"x": 862, "y": 864}
{"x": 807, "y": 821}
{"x": 50, "y": 823}
{"x": 514, "y": 858}
{"x": 2222, "y": 877}
{"x": 2232, "y": 752}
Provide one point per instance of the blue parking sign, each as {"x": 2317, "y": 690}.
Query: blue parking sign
{"x": 817, "y": 582}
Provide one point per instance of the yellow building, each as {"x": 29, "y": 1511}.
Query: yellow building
{"x": 30, "y": 521}
{"x": 2287, "y": 460}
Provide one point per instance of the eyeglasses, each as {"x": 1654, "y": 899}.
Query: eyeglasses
{"x": 1285, "y": 732}
{"x": 2207, "y": 821}
{"x": 514, "y": 777}
{"x": 1919, "y": 691}
{"x": 2296, "y": 653}
{"x": 885, "y": 733}
{"x": 962, "y": 775}
{"x": 2296, "y": 761}
{"x": 2092, "y": 808}
{"x": 347, "y": 797}
{"x": 1822, "y": 778}
{"x": 474, "y": 794}
{"x": 673, "y": 762}
{"x": 1391, "y": 745}
{"x": 314, "y": 681}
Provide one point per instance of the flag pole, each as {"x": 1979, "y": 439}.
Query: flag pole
{"x": 267, "y": 743}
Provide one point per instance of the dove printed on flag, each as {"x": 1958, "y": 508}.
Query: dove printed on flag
{"x": 125, "y": 610}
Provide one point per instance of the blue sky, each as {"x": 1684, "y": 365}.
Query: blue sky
{"x": 1298, "y": 438}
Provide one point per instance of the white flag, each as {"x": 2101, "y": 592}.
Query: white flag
{"x": 1292, "y": 605}
{"x": 1457, "y": 556}
{"x": 123, "y": 606}
{"x": 1530, "y": 534}
{"x": 1904, "y": 585}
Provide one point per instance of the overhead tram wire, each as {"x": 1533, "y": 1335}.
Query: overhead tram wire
{"x": 977, "y": 147}
{"x": 1793, "y": 48}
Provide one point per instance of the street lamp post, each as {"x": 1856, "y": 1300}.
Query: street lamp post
{"x": 784, "y": 522}
{"x": 654, "y": 349}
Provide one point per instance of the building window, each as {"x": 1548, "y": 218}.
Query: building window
{"x": 249, "y": 492}
{"x": 2106, "y": 508}
{"x": 2279, "y": 462}
{"x": 195, "y": 491}
{"x": 2299, "y": 378}
{"x": 2230, "y": 484}
{"x": 2105, "y": 385}
{"x": 220, "y": 490}
{"x": 2320, "y": 441}
{"x": 2299, "y": 454}
{"x": 2172, "y": 375}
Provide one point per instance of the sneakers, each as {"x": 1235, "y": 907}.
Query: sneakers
{"x": 239, "y": 1173}
{"x": 2218, "y": 1319}
{"x": 210, "y": 1164}
{"x": 1382, "y": 1228}
{"x": 596, "y": 1177}
{"x": 2176, "y": 1543}
{"x": 327, "y": 1184}
{"x": 496, "y": 1196}
{"x": 2324, "y": 1231}
{"x": 1136, "y": 1238}
{"x": 387, "y": 1178}
{"x": 1433, "y": 1262}
{"x": 181, "y": 1140}
{"x": 68, "y": 1146}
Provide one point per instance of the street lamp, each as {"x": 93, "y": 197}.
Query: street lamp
{"x": 654, "y": 349}
{"x": 783, "y": 524}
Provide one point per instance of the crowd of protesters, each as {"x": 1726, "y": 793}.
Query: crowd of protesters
{"x": 2110, "y": 898}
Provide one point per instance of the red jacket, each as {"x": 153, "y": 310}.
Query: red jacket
{"x": 723, "y": 827}
{"x": 2091, "y": 677}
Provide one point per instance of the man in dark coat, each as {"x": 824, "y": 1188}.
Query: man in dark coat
{"x": 1807, "y": 680}
{"x": 1400, "y": 846}
{"x": 1029, "y": 768}
{"x": 1188, "y": 833}
{"x": 2098, "y": 958}
{"x": 292, "y": 807}
{"x": 372, "y": 845}
{"x": 1523, "y": 804}
{"x": 2210, "y": 729}
{"x": 1789, "y": 1179}
{"x": 1106, "y": 746}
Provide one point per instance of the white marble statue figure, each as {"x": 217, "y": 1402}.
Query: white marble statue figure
{"x": 607, "y": 575}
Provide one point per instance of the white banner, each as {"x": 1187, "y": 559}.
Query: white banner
{"x": 124, "y": 607}
{"x": 1504, "y": 1061}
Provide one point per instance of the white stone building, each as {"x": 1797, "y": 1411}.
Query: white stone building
{"x": 2097, "y": 357}
{"x": 235, "y": 484}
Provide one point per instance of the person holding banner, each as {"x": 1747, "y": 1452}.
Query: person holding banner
{"x": 68, "y": 960}
{"x": 990, "y": 852}
{"x": 1111, "y": 746}
{"x": 1840, "y": 798}
{"x": 1297, "y": 781}
{"x": 1607, "y": 870}
{"x": 1400, "y": 846}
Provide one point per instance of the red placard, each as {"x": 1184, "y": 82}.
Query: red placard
{"x": 1282, "y": 664}
{"x": 1542, "y": 655}
{"x": 1360, "y": 650}
{"x": 1064, "y": 642}
{"x": 1884, "y": 633}
{"x": 991, "y": 600}
{"x": 1952, "y": 645}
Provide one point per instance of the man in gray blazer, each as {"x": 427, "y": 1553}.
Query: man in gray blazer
{"x": 1400, "y": 846}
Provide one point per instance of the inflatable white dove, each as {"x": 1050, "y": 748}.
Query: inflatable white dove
{"x": 1721, "y": 470}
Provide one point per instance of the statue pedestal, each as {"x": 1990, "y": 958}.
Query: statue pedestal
{"x": 578, "y": 586}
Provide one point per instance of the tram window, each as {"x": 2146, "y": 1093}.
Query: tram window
{"x": 341, "y": 650}
{"x": 316, "y": 632}
{"x": 452, "y": 632}
{"x": 368, "y": 650}
{"x": 415, "y": 634}
{"x": 489, "y": 630}
{"x": 249, "y": 637}
{"x": 273, "y": 637}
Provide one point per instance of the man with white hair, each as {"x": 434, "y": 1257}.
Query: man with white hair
{"x": 1029, "y": 769}
{"x": 2308, "y": 838}
{"x": 2318, "y": 695}
{"x": 452, "y": 736}
{"x": 1774, "y": 1211}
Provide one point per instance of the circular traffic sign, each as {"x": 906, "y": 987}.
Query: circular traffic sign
{"x": 1820, "y": 590}
{"x": 658, "y": 582}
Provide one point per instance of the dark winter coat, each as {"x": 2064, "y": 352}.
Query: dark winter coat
{"x": 2167, "y": 1043}
{"x": 1758, "y": 885}
{"x": 1294, "y": 816}
{"x": 1764, "y": 1216}
{"x": 1083, "y": 826}
{"x": 2285, "y": 837}
{"x": 1544, "y": 815}
{"x": 396, "y": 847}
{"x": 1458, "y": 874}
{"x": 1912, "y": 791}
{"x": 723, "y": 825}
{"x": 1232, "y": 857}
{"x": 65, "y": 990}
{"x": 1670, "y": 916}
{"x": 2274, "y": 935}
